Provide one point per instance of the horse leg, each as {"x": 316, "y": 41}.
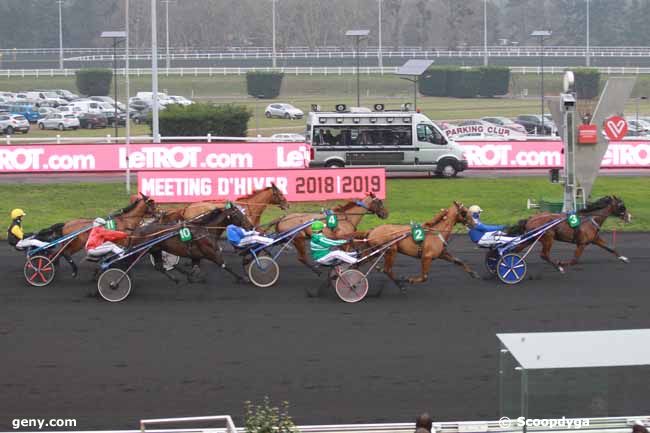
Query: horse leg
{"x": 299, "y": 244}
{"x": 424, "y": 275}
{"x": 214, "y": 255}
{"x": 602, "y": 244}
{"x": 68, "y": 258}
{"x": 547, "y": 243}
{"x": 158, "y": 265}
{"x": 576, "y": 256}
{"x": 447, "y": 256}
{"x": 389, "y": 260}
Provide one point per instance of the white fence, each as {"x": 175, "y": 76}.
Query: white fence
{"x": 308, "y": 70}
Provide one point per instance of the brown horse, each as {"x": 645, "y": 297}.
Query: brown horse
{"x": 202, "y": 246}
{"x": 349, "y": 216}
{"x": 434, "y": 246}
{"x": 126, "y": 219}
{"x": 253, "y": 205}
{"x": 591, "y": 220}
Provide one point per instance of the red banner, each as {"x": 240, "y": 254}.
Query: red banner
{"x": 296, "y": 185}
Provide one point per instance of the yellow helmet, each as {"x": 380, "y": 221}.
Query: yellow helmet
{"x": 17, "y": 213}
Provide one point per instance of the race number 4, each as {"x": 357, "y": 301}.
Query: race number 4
{"x": 332, "y": 221}
{"x": 185, "y": 234}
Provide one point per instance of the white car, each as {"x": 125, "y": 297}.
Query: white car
{"x": 10, "y": 123}
{"x": 8, "y": 96}
{"x": 181, "y": 100}
{"x": 108, "y": 100}
{"x": 50, "y": 98}
{"x": 59, "y": 121}
{"x": 286, "y": 111}
{"x": 288, "y": 137}
{"x": 46, "y": 111}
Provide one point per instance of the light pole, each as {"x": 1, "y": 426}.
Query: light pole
{"x": 275, "y": 63}
{"x": 541, "y": 34}
{"x": 587, "y": 51}
{"x": 380, "y": 56}
{"x": 167, "y": 59}
{"x": 155, "y": 126}
{"x": 257, "y": 117}
{"x": 115, "y": 36}
{"x": 485, "y": 46}
{"x": 127, "y": 82}
{"x": 637, "y": 113}
{"x": 60, "y": 2}
{"x": 357, "y": 35}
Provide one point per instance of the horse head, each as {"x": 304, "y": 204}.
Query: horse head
{"x": 278, "y": 198}
{"x": 375, "y": 205}
{"x": 234, "y": 215}
{"x": 618, "y": 209}
{"x": 462, "y": 214}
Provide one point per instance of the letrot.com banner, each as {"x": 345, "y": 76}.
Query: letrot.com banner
{"x": 296, "y": 185}
{"x": 168, "y": 156}
{"x": 548, "y": 154}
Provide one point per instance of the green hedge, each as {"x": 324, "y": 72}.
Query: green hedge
{"x": 587, "y": 82}
{"x": 464, "y": 83}
{"x": 227, "y": 120}
{"x": 495, "y": 80}
{"x": 94, "y": 82}
{"x": 265, "y": 85}
{"x": 434, "y": 81}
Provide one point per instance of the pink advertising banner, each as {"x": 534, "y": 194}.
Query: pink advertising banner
{"x": 548, "y": 154}
{"x": 74, "y": 158}
{"x": 296, "y": 185}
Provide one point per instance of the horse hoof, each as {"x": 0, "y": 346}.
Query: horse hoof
{"x": 475, "y": 275}
{"x": 74, "y": 275}
{"x": 560, "y": 269}
{"x": 402, "y": 290}
{"x": 624, "y": 259}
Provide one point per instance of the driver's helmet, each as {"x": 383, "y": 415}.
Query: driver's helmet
{"x": 317, "y": 226}
{"x": 99, "y": 222}
{"x": 475, "y": 210}
{"x": 17, "y": 213}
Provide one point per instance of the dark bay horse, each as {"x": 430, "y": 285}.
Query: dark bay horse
{"x": 349, "y": 216}
{"x": 126, "y": 220}
{"x": 592, "y": 219}
{"x": 205, "y": 231}
{"x": 253, "y": 205}
{"x": 434, "y": 246}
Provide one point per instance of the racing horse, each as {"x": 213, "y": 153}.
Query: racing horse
{"x": 203, "y": 244}
{"x": 434, "y": 246}
{"x": 126, "y": 219}
{"x": 349, "y": 216}
{"x": 592, "y": 219}
{"x": 253, "y": 206}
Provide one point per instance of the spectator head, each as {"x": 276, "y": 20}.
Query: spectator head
{"x": 638, "y": 427}
{"x": 424, "y": 421}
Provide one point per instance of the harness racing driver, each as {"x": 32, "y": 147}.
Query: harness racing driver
{"x": 15, "y": 235}
{"x": 321, "y": 247}
{"x": 99, "y": 241}
{"x": 483, "y": 234}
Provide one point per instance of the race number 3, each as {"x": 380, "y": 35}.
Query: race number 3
{"x": 574, "y": 221}
{"x": 185, "y": 234}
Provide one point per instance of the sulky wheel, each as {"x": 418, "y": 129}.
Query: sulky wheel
{"x": 114, "y": 285}
{"x": 511, "y": 268}
{"x": 351, "y": 286}
{"x": 39, "y": 271}
{"x": 263, "y": 272}
{"x": 169, "y": 260}
{"x": 491, "y": 260}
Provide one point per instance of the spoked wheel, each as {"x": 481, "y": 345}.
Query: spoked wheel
{"x": 511, "y": 268}
{"x": 491, "y": 260}
{"x": 169, "y": 260}
{"x": 39, "y": 271}
{"x": 263, "y": 272}
{"x": 114, "y": 285}
{"x": 351, "y": 286}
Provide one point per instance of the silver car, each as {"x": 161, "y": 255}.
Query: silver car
{"x": 285, "y": 111}
{"x": 59, "y": 121}
{"x": 10, "y": 123}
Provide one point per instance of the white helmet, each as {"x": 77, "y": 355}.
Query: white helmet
{"x": 473, "y": 209}
{"x": 99, "y": 222}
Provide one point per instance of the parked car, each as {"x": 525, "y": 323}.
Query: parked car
{"x": 27, "y": 98}
{"x": 70, "y": 109}
{"x": 637, "y": 127}
{"x": 59, "y": 121}
{"x": 29, "y": 111}
{"x": 505, "y": 122}
{"x": 286, "y": 111}
{"x": 289, "y": 137}
{"x": 163, "y": 99}
{"x": 10, "y": 123}
{"x": 8, "y": 96}
{"x": 46, "y": 111}
{"x": 141, "y": 116}
{"x": 66, "y": 94}
{"x": 181, "y": 100}
{"x": 51, "y": 99}
{"x": 92, "y": 120}
{"x": 108, "y": 100}
{"x": 533, "y": 124}
{"x": 138, "y": 104}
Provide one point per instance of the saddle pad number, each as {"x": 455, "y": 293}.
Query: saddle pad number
{"x": 574, "y": 221}
{"x": 332, "y": 221}
{"x": 110, "y": 225}
{"x": 185, "y": 234}
{"x": 417, "y": 233}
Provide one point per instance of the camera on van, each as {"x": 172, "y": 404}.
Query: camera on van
{"x": 568, "y": 100}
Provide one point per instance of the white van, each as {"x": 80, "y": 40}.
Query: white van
{"x": 86, "y": 107}
{"x": 396, "y": 140}
{"x": 163, "y": 98}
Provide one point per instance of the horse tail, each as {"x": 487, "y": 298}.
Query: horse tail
{"x": 50, "y": 233}
{"x": 517, "y": 229}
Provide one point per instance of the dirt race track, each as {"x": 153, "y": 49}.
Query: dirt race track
{"x": 190, "y": 350}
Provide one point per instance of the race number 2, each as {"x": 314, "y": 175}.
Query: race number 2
{"x": 337, "y": 184}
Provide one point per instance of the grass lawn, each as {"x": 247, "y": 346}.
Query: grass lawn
{"x": 408, "y": 200}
